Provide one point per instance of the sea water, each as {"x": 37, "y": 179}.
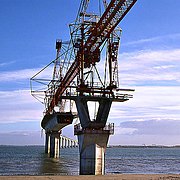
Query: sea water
{"x": 31, "y": 160}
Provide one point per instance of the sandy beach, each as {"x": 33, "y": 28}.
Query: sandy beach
{"x": 106, "y": 177}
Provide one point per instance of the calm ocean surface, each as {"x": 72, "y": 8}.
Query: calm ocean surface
{"x": 31, "y": 160}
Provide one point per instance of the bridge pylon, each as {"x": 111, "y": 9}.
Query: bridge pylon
{"x": 93, "y": 134}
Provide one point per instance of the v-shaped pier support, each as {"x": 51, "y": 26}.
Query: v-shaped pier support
{"x": 102, "y": 113}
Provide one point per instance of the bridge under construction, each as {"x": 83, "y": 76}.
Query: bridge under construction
{"x": 84, "y": 82}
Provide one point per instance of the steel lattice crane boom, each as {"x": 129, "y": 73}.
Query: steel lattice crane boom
{"x": 89, "y": 52}
{"x": 114, "y": 13}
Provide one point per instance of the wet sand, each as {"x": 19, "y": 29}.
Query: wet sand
{"x": 106, "y": 177}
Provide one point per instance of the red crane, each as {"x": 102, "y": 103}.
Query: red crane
{"x": 88, "y": 51}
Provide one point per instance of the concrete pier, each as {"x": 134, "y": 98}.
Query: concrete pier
{"x": 54, "y": 147}
{"x": 52, "y": 144}
{"x": 92, "y": 148}
{"x": 54, "y": 141}
{"x": 47, "y": 143}
{"x": 53, "y": 124}
{"x": 93, "y": 134}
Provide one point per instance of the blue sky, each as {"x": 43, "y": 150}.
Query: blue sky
{"x": 149, "y": 61}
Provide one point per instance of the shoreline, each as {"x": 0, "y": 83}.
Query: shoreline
{"x": 98, "y": 177}
{"x": 109, "y": 146}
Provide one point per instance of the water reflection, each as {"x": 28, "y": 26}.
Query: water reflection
{"x": 67, "y": 164}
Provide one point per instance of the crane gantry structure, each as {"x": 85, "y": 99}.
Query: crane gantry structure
{"x": 89, "y": 33}
{"x": 87, "y": 36}
{"x": 85, "y": 69}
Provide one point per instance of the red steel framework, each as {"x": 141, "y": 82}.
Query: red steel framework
{"x": 89, "y": 34}
{"x": 114, "y": 13}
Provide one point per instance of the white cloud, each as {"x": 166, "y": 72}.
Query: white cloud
{"x": 149, "y": 103}
{"x": 25, "y": 74}
{"x": 22, "y": 138}
{"x": 164, "y": 67}
{"x": 153, "y": 127}
{"x": 142, "y": 139}
{"x": 137, "y": 68}
{"x": 151, "y": 117}
{"x": 17, "y": 75}
{"x": 150, "y": 67}
{"x": 6, "y": 63}
{"x": 173, "y": 107}
{"x": 154, "y": 39}
{"x": 124, "y": 131}
{"x": 19, "y": 106}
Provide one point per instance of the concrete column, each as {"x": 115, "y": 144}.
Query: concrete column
{"x": 65, "y": 139}
{"x": 74, "y": 144}
{"x": 71, "y": 143}
{"x": 60, "y": 142}
{"x": 47, "y": 143}
{"x": 52, "y": 144}
{"x": 92, "y": 147}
